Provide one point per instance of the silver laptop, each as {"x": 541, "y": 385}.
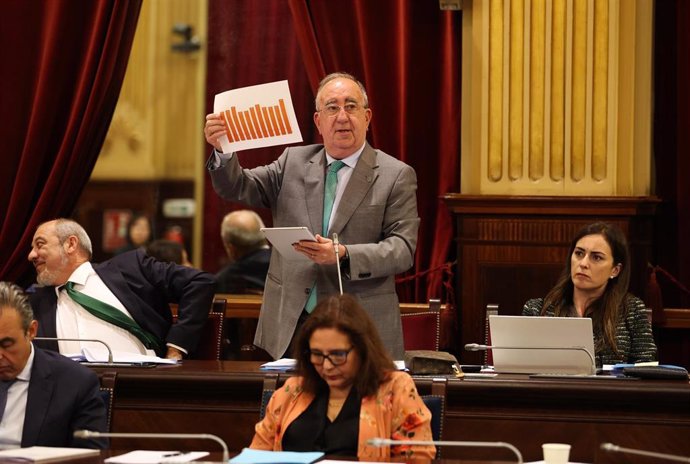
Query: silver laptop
{"x": 542, "y": 345}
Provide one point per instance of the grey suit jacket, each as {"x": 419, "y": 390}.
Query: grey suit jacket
{"x": 376, "y": 219}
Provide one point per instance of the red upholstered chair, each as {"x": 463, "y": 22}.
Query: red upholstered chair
{"x": 107, "y": 390}
{"x": 421, "y": 330}
{"x": 211, "y": 342}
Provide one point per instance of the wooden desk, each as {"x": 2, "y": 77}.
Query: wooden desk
{"x": 222, "y": 397}
{"x": 249, "y": 306}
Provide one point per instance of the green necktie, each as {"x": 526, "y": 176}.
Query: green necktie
{"x": 116, "y": 317}
{"x": 328, "y": 200}
{"x": 329, "y": 193}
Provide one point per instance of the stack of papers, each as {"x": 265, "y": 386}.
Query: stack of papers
{"x": 100, "y": 355}
{"x": 154, "y": 457}
{"x": 251, "y": 456}
{"x": 47, "y": 454}
{"x": 283, "y": 364}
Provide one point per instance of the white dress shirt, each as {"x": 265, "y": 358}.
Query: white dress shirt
{"x": 73, "y": 321}
{"x": 343, "y": 178}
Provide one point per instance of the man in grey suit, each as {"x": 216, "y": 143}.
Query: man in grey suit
{"x": 374, "y": 215}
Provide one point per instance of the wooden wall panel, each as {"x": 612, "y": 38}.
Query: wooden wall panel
{"x": 511, "y": 249}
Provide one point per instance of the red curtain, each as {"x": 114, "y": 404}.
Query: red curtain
{"x": 672, "y": 145}
{"x": 407, "y": 53}
{"x": 249, "y": 43}
{"x": 62, "y": 69}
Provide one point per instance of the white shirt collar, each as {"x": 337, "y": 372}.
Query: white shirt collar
{"x": 79, "y": 276}
{"x": 25, "y": 374}
{"x": 351, "y": 160}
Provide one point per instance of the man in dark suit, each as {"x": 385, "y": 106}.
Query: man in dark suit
{"x": 374, "y": 213}
{"x": 48, "y": 395}
{"x": 136, "y": 288}
{"x": 248, "y": 252}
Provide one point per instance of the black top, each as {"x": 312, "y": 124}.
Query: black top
{"x": 313, "y": 431}
{"x": 246, "y": 275}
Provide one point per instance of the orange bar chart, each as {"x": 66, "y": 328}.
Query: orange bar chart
{"x": 256, "y": 122}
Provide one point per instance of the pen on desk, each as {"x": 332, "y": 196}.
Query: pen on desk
{"x": 171, "y": 453}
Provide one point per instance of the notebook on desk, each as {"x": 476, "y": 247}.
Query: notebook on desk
{"x": 542, "y": 345}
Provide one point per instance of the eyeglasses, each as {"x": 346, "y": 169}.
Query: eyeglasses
{"x": 332, "y": 109}
{"x": 336, "y": 357}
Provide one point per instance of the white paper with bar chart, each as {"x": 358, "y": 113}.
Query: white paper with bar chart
{"x": 257, "y": 116}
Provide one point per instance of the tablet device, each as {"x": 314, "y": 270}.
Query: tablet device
{"x": 282, "y": 239}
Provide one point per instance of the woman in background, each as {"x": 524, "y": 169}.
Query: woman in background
{"x": 594, "y": 284}
{"x": 347, "y": 392}
{"x": 139, "y": 233}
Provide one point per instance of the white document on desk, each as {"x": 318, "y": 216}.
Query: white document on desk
{"x": 93, "y": 354}
{"x": 155, "y": 457}
{"x": 44, "y": 454}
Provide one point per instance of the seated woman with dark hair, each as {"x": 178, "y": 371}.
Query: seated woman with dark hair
{"x": 594, "y": 284}
{"x": 347, "y": 392}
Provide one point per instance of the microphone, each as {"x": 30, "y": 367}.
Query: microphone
{"x": 56, "y": 339}
{"x": 379, "y": 442}
{"x": 183, "y": 436}
{"x": 337, "y": 260}
{"x": 478, "y": 347}
{"x": 610, "y": 447}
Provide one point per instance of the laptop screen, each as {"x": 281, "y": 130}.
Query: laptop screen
{"x": 542, "y": 345}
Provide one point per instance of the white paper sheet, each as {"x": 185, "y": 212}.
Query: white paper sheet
{"x": 92, "y": 354}
{"x": 257, "y": 116}
{"x": 154, "y": 457}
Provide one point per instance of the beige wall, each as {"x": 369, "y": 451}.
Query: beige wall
{"x": 157, "y": 129}
{"x": 156, "y": 132}
{"x": 557, "y": 97}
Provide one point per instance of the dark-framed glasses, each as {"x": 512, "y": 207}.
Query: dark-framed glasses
{"x": 332, "y": 109}
{"x": 336, "y": 357}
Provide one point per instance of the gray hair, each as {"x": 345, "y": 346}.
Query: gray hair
{"x": 340, "y": 75}
{"x": 237, "y": 234}
{"x": 12, "y": 296}
{"x": 64, "y": 228}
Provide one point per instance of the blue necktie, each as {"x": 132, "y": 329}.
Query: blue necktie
{"x": 4, "y": 387}
{"x": 328, "y": 200}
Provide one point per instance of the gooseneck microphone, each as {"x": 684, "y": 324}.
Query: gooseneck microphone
{"x": 337, "y": 260}
{"x": 478, "y": 347}
{"x": 379, "y": 442}
{"x": 183, "y": 436}
{"x": 610, "y": 447}
{"x": 60, "y": 339}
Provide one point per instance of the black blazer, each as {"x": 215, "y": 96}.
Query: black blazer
{"x": 146, "y": 287}
{"x": 63, "y": 396}
{"x": 248, "y": 273}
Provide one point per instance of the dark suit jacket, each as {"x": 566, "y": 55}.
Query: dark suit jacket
{"x": 247, "y": 273}
{"x": 376, "y": 219}
{"x": 63, "y": 397}
{"x": 146, "y": 287}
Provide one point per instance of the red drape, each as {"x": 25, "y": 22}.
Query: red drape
{"x": 63, "y": 63}
{"x": 250, "y": 43}
{"x": 407, "y": 53}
